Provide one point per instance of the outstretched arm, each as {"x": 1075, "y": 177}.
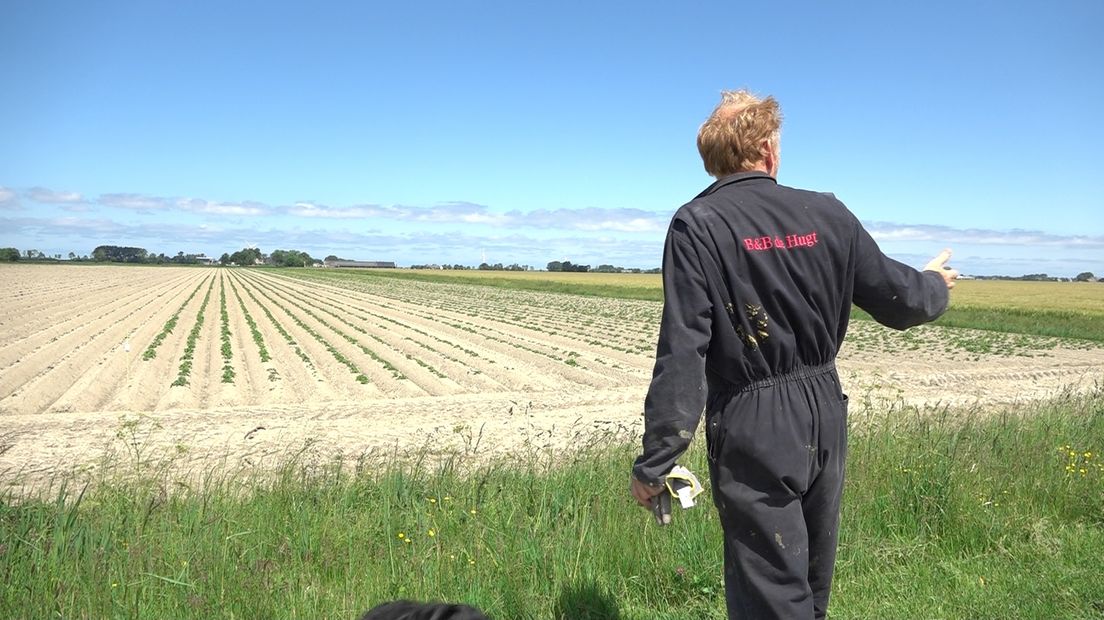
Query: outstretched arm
{"x": 895, "y": 294}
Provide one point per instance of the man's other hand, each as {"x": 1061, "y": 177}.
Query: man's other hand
{"x": 643, "y": 493}
{"x": 939, "y": 265}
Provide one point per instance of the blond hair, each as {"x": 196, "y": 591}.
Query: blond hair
{"x": 731, "y": 139}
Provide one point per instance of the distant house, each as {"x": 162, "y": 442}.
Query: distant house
{"x": 203, "y": 259}
{"x": 363, "y": 264}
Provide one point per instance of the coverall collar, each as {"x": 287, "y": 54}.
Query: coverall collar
{"x": 735, "y": 178}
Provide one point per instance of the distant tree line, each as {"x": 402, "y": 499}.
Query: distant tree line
{"x": 127, "y": 254}
{"x": 278, "y": 258}
{"x": 244, "y": 256}
{"x": 481, "y": 267}
{"x": 10, "y": 255}
{"x": 296, "y": 258}
{"x": 135, "y": 255}
{"x": 566, "y": 266}
{"x": 1084, "y": 276}
{"x": 569, "y": 266}
{"x": 436, "y": 266}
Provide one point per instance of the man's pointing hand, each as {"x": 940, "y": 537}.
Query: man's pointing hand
{"x": 939, "y": 265}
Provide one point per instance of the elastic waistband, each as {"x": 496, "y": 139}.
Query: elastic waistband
{"x": 802, "y": 372}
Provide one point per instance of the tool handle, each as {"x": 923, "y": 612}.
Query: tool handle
{"x": 661, "y": 507}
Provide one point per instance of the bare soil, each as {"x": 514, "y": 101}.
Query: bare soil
{"x": 449, "y": 369}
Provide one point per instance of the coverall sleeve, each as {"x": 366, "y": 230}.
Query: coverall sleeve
{"x": 677, "y": 393}
{"x": 895, "y": 294}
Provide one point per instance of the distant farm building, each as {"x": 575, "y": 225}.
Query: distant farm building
{"x": 363, "y": 264}
{"x": 203, "y": 259}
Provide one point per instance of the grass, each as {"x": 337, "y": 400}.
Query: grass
{"x": 946, "y": 515}
{"x": 1055, "y": 309}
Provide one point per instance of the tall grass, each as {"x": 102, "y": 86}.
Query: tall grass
{"x": 946, "y": 515}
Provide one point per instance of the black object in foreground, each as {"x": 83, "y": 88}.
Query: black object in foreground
{"x": 408, "y": 610}
{"x": 661, "y": 507}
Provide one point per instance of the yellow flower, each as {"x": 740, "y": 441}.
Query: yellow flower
{"x": 432, "y": 533}
{"x": 114, "y": 585}
{"x": 407, "y": 541}
{"x": 401, "y": 536}
{"x": 473, "y": 510}
{"x": 432, "y": 500}
{"x": 470, "y": 562}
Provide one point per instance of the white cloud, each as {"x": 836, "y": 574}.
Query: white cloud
{"x": 49, "y": 196}
{"x": 139, "y": 202}
{"x": 417, "y": 246}
{"x": 594, "y": 219}
{"x": 196, "y": 205}
{"x": 404, "y": 248}
{"x": 310, "y": 209}
{"x": 889, "y": 231}
{"x": 8, "y": 198}
{"x": 588, "y": 219}
{"x": 454, "y": 212}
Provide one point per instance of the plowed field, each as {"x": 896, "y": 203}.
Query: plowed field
{"x": 243, "y": 362}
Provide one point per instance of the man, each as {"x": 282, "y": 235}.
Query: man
{"x": 758, "y": 281}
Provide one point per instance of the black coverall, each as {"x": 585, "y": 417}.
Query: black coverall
{"x": 758, "y": 280}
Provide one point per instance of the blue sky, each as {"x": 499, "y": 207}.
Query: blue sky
{"x": 530, "y": 132}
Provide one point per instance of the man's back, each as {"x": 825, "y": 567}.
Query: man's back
{"x": 785, "y": 264}
{"x": 758, "y": 282}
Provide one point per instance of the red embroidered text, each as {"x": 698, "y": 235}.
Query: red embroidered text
{"x": 758, "y": 244}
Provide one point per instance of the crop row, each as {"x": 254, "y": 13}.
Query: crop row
{"x": 627, "y": 327}
{"x": 288, "y": 338}
{"x": 189, "y": 348}
{"x": 334, "y": 303}
{"x": 553, "y": 321}
{"x": 395, "y": 372}
{"x": 258, "y": 339}
{"x": 368, "y": 316}
{"x": 509, "y": 339}
{"x": 227, "y": 350}
{"x": 151, "y": 350}
{"x": 337, "y": 355}
{"x": 43, "y": 341}
{"x": 47, "y": 303}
